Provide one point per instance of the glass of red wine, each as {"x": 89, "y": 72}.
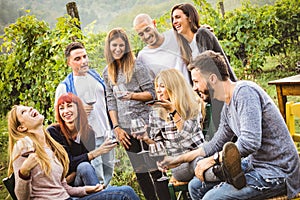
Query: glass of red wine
{"x": 158, "y": 151}
{"x": 138, "y": 127}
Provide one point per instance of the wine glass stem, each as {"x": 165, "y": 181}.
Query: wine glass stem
{"x": 141, "y": 141}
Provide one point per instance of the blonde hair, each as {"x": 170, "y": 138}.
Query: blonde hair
{"x": 126, "y": 63}
{"x": 15, "y": 135}
{"x": 187, "y": 102}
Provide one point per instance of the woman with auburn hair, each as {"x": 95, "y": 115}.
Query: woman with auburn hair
{"x": 123, "y": 69}
{"x": 78, "y": 138}
{"x": 176, "y": 119}
{"x": 40, "y": 164}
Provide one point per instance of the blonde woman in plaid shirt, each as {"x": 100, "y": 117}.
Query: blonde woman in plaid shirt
{"x": 176, "y": 120}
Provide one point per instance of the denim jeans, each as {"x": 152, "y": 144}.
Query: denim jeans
{"x": 197, "y": 189}
{"x": 256, "y": 188}
{"x": 85, "y": 175}
{"x": 104, "y": 169}
{"x": 111, "y": 192}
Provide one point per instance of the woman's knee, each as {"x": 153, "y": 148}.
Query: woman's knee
{"x": 84, "y": 167}
{"x": 122, "y": 190}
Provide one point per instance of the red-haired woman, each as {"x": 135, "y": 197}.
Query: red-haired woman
{"x": 74, "y": 133}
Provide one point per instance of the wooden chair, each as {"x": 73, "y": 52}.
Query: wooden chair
{"x": 178, "y": 190}
{"x": 292, "y": 111}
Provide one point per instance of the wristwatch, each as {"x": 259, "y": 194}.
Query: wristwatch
{"x": 216, "y": 158}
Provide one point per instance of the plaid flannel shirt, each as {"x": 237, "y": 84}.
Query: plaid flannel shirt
{"x": 176, "y": 142}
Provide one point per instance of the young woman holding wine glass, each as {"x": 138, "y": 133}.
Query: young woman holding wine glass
{"x": 78, "y": 138}
{"x": 41, "y": 174}
{"x": 176, "y": 119}
{"x": 122, "y": 69}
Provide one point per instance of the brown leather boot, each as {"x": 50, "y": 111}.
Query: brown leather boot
{"x": 231, "y": 166}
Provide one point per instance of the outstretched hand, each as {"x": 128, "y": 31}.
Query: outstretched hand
{"x": 105, "y": 147}
{"x": 168, "y": 162}
{"x": 92, "y": 189}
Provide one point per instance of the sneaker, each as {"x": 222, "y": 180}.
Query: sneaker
{"x": 231, "y": 164}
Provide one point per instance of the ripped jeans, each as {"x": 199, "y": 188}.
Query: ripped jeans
{"x": 256, "y": 188}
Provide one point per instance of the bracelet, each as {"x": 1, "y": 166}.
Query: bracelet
{"x": 116, "y": 126}
{"x": 178, "y": 120}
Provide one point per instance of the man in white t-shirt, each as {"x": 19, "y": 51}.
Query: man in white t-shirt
{"x": 87, "y": 84}
{"x": 162, "y": 50}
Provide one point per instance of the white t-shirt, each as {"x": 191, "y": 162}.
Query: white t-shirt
{"x": 85, "y": 87}
{"x": 194, "y": 47}
{"x": 164, "y": 57}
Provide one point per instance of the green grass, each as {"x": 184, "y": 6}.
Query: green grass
{"x": 123, "y": 174}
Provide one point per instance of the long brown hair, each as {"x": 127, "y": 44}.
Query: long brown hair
{"x": 15, "y": 135}
{"x": 81, "y": 122}
{"x": 126, "y": 62}
{"x": 191, "y": 13}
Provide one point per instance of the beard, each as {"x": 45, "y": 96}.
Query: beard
{"x": 205, "y": 96}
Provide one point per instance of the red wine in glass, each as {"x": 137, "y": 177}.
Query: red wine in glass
{"x": 158, "y": 152}
{"x": 138, "y": 127}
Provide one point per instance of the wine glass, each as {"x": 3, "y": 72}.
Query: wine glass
{"x": 109, "y": 134}
{"x": 120, "y": 91}
{"x": 138, "y": 127}
{"x": 89, "y": 96}
{"x": 158, "y": 151}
